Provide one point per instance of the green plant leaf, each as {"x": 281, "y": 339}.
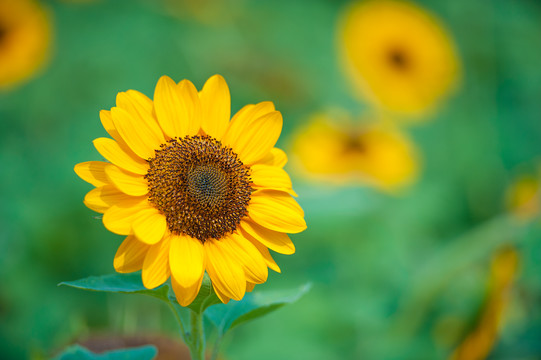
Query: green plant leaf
{"x": 119, "y": 283}
{"x": 77, "y": 352}
{"x": 252, "y": 306}
{"x": 132, "y": 284}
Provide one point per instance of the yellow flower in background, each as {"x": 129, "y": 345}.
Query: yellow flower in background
{"x": 479, "y": 343}
{"x": 192, "y": 190}
{"x": 342, "y": 152}
{"x": 24, "y": 40}
{"x": 398, "y": 55}
{"x": 523, "y": 197}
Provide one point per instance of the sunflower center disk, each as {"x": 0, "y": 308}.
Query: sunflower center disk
{"x": 201, "y": 187}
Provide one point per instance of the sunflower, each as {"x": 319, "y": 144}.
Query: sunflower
{"x": 480, "y": 341}
{"x": 398, "y": 55}
{"x": 331, "y": 148}
{"x": 193, "y": 191}
{"x": 523, "y": 196}
{"x": 24, "y": 40}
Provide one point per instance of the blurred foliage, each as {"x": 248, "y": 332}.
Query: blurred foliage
{"x": 401, "y": 276}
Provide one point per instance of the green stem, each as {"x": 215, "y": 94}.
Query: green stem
{"x": 179, "y": 321}
{"x": 216, "y": 348}
{"x": 197, "y": 336}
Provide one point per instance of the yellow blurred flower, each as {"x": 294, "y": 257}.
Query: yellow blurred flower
{"x": 25, "y": 33}
{"x": 398, "y": 55}
{"x": 192, "y": 190}
{"x": 479, "y": 343}
{"x": 343, "y": 152}
{"x": 523, "y": 196}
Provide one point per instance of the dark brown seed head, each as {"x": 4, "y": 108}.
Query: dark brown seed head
{"x": 399, "y": 59}
{"x": 201, "y": 187}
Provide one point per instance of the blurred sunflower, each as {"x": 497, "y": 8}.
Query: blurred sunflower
{"x": 398, "y": 55}
{"x": 523, "y": 196}
{"x": 193, "y": 191}
{"x": 338, "y": 151}
{"x": 25, "y": 33}
{"x": 479, "y": 343}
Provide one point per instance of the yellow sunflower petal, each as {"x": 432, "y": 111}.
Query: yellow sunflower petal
{"x": 185, "y": 295}
{"x": 192, "y": 104}
{"x": 225, "y": 273}
{"x": 149, "y": 225}
{"x": 119, "y": 218}
{"x": 216, "y": 106}
{"x": 276, "y": 157}
{"x": 254, "y": 138}
{"x": 139, "y": 106}
{"x": 274, "y": 240}
{"x": 102, "y": 198}
{"x": 130, "y": 255}
{"x": 220, "y": 295}
{"x": 113, "y": 152}
{"x": 264, "y": 251}
{"x": 251, "y": 112}
{"x": 271, "y": 178}
{"x": 93, "y": 172}
{"x": 156, "y": 265}
{"x": 127, "y": 182}
{"x": 276, "y": 211}
{"x": 142, "y": 137}
{"x": 248, "y": 256}
{"x": 107, "y": 123}
{"x": 170, "y": 108}
{"x": 187, "y": 260}
{"x": 250, "y": 287}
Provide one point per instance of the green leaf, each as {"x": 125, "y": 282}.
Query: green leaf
{"x": 132, "y": 284}
{"x": 252, "y": 306}
{"x": 77, "y": 352}
{"x": 119, "y": 283}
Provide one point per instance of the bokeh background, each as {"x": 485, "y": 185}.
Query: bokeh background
{"x": 423, "y": 239}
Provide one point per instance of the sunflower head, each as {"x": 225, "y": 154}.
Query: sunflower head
{"x": 24, "y": 40}
{"x": 192, "y": 190}
{"x": 398, "y": 55}
{"x": 332, "y": 148}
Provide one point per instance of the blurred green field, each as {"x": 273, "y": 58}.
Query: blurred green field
{"x": 395, "y": 276}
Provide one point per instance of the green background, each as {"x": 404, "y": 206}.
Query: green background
{"x": 394, "y": 277}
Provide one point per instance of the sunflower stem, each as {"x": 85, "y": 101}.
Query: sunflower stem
{"x": 197, "y": 336}
{"x": 183, "y": 333}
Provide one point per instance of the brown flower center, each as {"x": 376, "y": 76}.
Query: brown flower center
{"x": 201, "y": 187}
{"x": 399, "y": 59}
